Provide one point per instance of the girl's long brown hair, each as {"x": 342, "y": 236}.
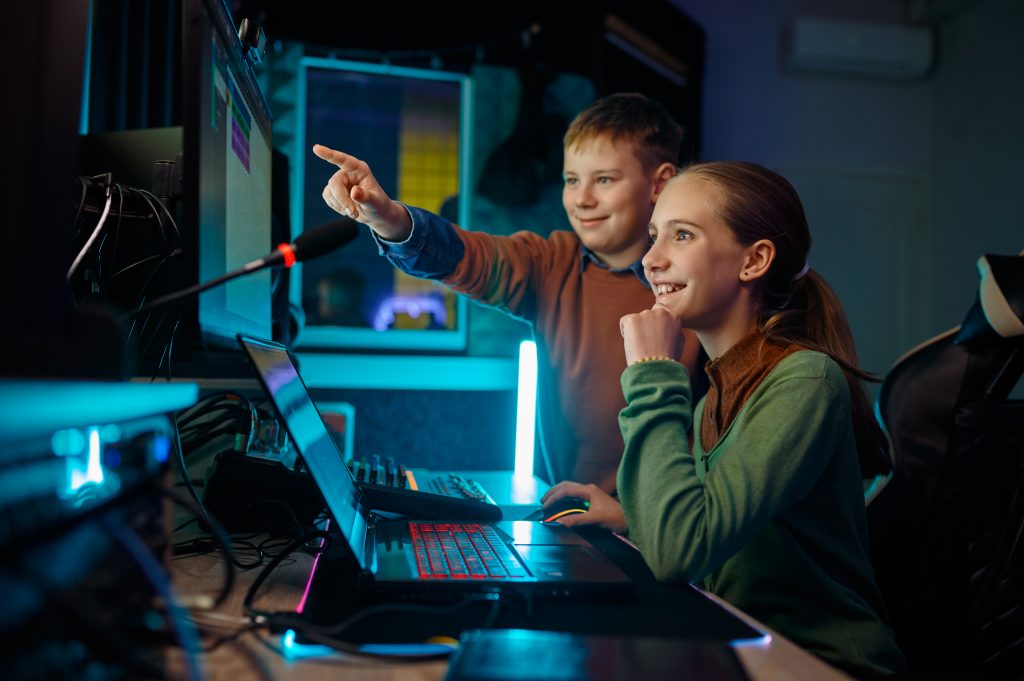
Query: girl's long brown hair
{"x": 757, "y": 203}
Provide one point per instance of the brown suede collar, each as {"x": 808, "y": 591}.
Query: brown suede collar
{"x": 734, "y": 377}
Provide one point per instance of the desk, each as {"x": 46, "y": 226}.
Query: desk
{"x": 249, "y": 656}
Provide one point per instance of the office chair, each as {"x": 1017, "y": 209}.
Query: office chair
{"x": 947, "y": 531}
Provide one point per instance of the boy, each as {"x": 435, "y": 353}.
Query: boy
{"x": 572, "y": 287}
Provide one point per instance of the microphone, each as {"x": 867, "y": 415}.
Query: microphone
{"x": 312, "y": 243}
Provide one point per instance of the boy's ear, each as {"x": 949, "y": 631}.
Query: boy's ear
{"x": 662, "y": 174}
{"x": 758, "y": 260}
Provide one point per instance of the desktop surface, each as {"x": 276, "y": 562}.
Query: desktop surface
{"x": 491, "y": 655}
{"x": 680, "y": 613}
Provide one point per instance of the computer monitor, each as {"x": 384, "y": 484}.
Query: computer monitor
{"x": 413, "y": 126}
{"x": 219, "y": 149}
{"x": 227, "y": 177}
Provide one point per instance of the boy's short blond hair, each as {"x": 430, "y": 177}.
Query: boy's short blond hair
{"x": 629, "y": 117}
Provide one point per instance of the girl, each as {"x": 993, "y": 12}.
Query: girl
{"x": 766, "y": 509}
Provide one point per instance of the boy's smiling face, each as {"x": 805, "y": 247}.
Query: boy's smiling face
{"x": 608, "y": 197}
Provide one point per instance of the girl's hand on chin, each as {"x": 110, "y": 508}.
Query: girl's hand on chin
{"x": 651, "y": 333}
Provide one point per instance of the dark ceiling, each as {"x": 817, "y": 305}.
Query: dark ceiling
{"x": 564, "y": 33}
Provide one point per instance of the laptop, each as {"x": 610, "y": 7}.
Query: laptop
{"x": 411, "y": 556}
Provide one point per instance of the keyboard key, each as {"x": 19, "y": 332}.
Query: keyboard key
{"x": 464, "y": 550}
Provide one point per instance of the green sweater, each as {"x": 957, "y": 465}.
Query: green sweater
{"x": 772, "y": 518}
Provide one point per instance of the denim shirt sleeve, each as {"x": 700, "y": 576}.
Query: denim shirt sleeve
{"x": 433, "y": 248}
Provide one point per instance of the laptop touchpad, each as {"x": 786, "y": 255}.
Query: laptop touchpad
{"x": 560, "y": 562}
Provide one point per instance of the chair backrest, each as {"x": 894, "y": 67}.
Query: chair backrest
{"x": 947, "y": 531}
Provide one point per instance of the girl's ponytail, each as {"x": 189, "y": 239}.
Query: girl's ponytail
{"x": 814, "y": 318}
{"x": 798, "y": 305}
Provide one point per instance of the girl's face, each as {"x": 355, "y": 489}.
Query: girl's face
{"x": 695, "y": 262}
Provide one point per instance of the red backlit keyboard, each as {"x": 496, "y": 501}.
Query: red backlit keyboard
{"x": 463, "y": 551}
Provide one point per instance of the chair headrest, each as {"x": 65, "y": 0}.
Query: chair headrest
{"x": 999, "y": 310}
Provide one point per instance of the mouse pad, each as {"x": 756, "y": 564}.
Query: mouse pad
{"x": 522, "y": 655}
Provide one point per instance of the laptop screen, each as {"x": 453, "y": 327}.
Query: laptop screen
{"x": 311, "y": 437}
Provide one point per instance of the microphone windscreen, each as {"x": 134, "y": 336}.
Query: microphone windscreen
{"x": 323, "y": 239}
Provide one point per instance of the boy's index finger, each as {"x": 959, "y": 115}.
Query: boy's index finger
{"x": 330, "y": 155}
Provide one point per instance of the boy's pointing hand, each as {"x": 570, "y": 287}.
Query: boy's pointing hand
{"x": 353, "y": 191}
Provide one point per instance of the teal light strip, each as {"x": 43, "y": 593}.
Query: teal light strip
{"x": 83, "y": 112}
{"x": 382, "y": 69}
{"x": 392, "y": 339}
{"x": 297, "y": 166}
{"x": 406, "y": 372}
{"x": 526, "y": 408}
{"x": 30, "y": 408}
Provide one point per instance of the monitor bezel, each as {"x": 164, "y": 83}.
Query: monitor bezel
{"x": 349, "y": 338}
{"x": 199, "y": 19}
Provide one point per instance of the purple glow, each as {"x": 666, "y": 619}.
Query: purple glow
{"x": 309, "y": 583}
{"x": 413, "y": 306}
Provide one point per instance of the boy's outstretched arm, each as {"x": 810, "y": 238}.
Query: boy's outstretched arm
{"x": 353, "y": 191}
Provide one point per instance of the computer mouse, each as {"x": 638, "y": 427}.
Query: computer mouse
{"x": 561, "y": 507}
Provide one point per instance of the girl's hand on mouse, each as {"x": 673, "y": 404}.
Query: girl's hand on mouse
{"x": 604, "y": 511}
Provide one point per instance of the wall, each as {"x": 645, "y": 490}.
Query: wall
{"x": 977, "y": 142}
{"x": 888, "y": 170}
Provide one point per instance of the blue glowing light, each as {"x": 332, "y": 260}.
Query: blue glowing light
{"x": 112, "y": 458}
{"x": 93, "y": 471}
{"x": 293, "y": 650}
{"x": 526, "y": 408}
{"x": 110, "y": 433}
{"x": 161, "y": 448}
{"x": 68, "y": 442}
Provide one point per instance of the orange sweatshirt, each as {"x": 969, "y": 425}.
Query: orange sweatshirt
{"x": 575, "y": 315}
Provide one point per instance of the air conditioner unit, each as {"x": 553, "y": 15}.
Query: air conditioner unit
{"x": 858, "y": 48}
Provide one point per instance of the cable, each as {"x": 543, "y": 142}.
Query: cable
{"x": 81, "y": 202}
{"x": 154, "y": 331}
{"x": 250, "y": 595}
{"x": 168, "y": 350}
{"x": 142, "y": 301}
{"x": 159, "y": 220}
{"x": 124, "y": 270}
{"x": 188, "y": 415}
{"x": 162, "y": 207}
{"x": 184, "y": 525}
{"x": 327, "y": 635}
{"x": 153, "y": 335}
{"x": 225, "y": 403}
{"x": 199, "y": 546}
{"x": 188, "y": 637}
{"x": 196, "y": 411}
{"x": 191, "y": 426}
{"x": 117, "y": 227}
{"x": 205, "y": 518}
{"x": 218, "y": 531}
{"x": 95, "y": 233}
{"x": 231, "y": 637}
{"x": 222, "y": 537}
